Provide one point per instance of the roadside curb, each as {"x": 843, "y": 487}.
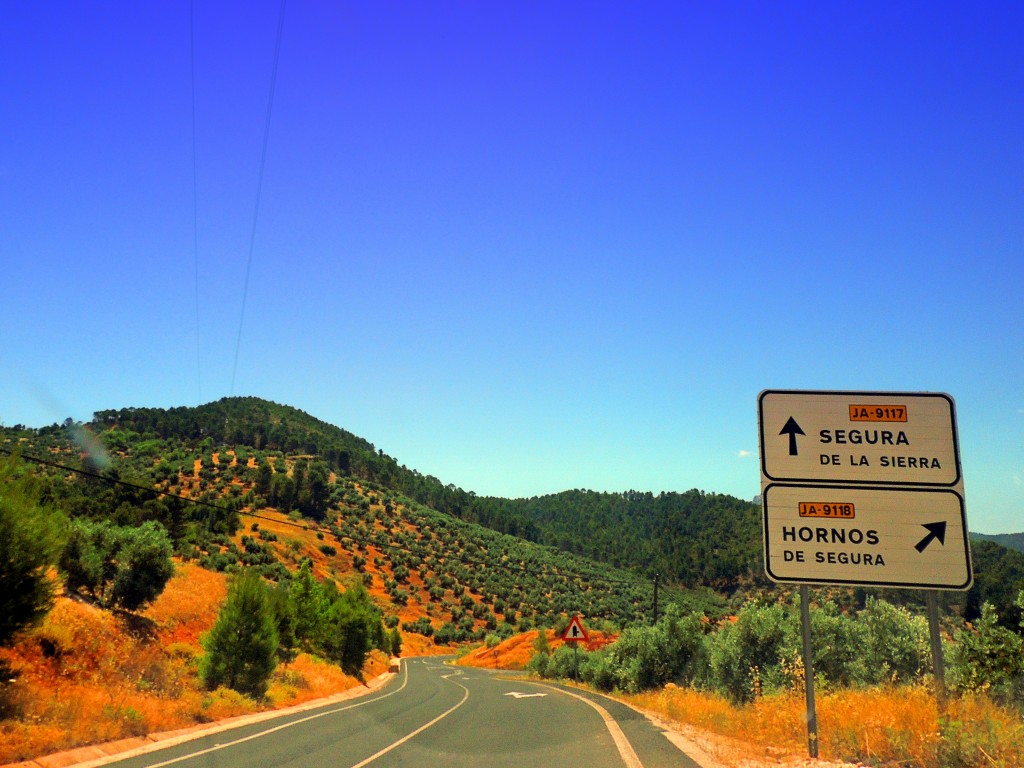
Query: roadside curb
{"x": 102, "y": 754}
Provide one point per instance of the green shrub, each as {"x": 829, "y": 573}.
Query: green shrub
{"x": 120, "y": 567}
{"x": 421, "y": 626}
{"x": 600, "y": 670}
{"x": 895, "y": 645}
{"x": 837, "y": 645}
{"x": 988, "y": 657}
{"x": 563, "y": 662}
{"x": 750, "y": 656}
{"x": 395, "y": 641}
{"x": 144, "y": 566}
{"x": 538, "y": 664}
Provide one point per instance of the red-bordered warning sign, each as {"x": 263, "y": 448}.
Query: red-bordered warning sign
{"x": 575, "y": 633}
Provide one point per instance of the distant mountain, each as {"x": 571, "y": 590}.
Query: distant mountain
{"x": 692, "y": 538}
{"x": 1008, "y": 540}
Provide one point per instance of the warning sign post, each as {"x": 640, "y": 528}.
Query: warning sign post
{"x": 575, "y": 634}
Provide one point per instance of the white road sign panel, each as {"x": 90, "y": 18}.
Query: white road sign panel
{"x": 876, "y": 438}
{"x": 892, "y": 537}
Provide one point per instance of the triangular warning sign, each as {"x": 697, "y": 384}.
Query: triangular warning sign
{"x": 575, "y": 633}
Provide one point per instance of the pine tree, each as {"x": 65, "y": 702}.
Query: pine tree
{"x": 242, "y": 646}
{"x": 311, "y": 606}
{"x": 396, "y": 642}
{"x": 28, "y": 546}
{"x": 283, "y": 610}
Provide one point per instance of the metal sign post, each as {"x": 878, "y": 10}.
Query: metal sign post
{"x": 937, "y": 662}
{"x": 575, "y": 633}
{"x": 812, "y": 714}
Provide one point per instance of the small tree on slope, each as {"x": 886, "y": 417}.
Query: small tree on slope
{"x": 242, "y": 646}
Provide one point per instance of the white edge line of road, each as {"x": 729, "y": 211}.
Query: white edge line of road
{"x": 215, "y": 729}
{"x": 684, "y": 744}
{"x": 626, "y": 751}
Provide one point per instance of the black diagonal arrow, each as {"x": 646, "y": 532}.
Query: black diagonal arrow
{"x": 935, "y": 531}
{"x": 792, "y": 429}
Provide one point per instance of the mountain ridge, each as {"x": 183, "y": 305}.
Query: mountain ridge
{"x": 1013, "y": 541}
{"x": 622, "y": 529}
{"x": 692, "y": 539}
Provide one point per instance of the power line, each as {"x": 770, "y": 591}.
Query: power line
{"x": 259, "y": 190}
{"x": 195, "y": 194}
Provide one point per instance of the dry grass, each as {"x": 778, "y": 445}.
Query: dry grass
{"x": 516, "y": 651}
{"x": 87, "y": 676}
{"x": 878, "y": 727}
{"x": 189, "y": 604}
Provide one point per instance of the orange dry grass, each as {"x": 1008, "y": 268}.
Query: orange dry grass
{"x": 418, "y": 645}
{"x": 87, "y": 676}
{"x": 516, "y": 651}
{"x": 878, "y": 726}
{"x": 189, "y": 604}
{"x": 309, "y": 678}
{"x": 512, "y": 653}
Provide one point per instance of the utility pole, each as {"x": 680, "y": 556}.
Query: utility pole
{"x": 657, "y": 578}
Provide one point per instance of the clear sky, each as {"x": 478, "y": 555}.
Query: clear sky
{"x": 523, "y": 247}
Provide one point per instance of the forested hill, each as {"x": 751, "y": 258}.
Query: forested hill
{"x": 263, "y": 425}
{"x": 688, "y": 538}
{"x": 691, "y": 538}
{"x": 1008, "y": 540}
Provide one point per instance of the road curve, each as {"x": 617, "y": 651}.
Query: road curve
{"x": 438, "y": 715}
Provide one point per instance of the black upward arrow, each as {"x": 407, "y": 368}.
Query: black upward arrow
{"x": 935, "y": 531}
{"x": 792, "y": 429}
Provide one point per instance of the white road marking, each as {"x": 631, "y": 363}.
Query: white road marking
{"x": 269, "y": 731}
{"x": 626, "y": 752}
{"x": 419, "y": 730}
{"x": 525, "y": 695}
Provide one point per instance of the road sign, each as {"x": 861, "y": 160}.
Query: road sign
{"x": 846, "y": 534}
{"x": 575, "y": 633}
{"x": 879, "y": 438}
{"x": 863, "y": 488}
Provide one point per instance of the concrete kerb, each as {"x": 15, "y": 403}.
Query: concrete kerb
{"x": 102, "y": 754}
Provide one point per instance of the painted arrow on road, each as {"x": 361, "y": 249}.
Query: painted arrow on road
{"x": 525, "y": 695}
{"x": 935, "y": 531}
{"x": 792, "y": 429}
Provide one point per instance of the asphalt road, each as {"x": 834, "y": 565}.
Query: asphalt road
{"x": 438, "y": 715}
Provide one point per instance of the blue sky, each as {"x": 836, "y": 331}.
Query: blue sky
{"x": 520, "y": 247}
